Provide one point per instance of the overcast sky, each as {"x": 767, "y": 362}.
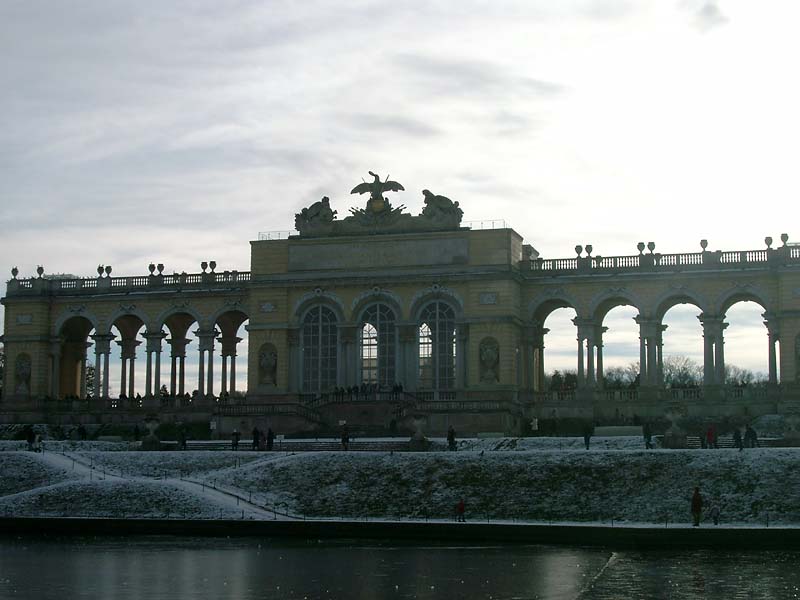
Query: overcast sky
{"x": 174, "y": 132}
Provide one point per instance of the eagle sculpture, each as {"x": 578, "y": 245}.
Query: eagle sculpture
{"x": 377, "y": 203}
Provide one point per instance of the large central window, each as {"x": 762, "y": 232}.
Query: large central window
{"x": 320, "y": 345}
{"x": 378, "y": 340}
{"x": 437, "y": 347}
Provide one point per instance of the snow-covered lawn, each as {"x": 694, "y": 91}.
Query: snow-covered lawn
{"x": 141, "y": 499}
{"x": 171, "y": 464}
{"x": 598, "y": 485}
{"x": 536, "y": 481}
{"x": 21, "y": 471}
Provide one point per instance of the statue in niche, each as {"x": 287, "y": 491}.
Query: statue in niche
{"x": 22, "y": 373}
{"x": 441, "y": 208}
{"x": 489, "y": 354}
{"x": 377, "y": 205}
{"x": 317, "y": 214}
{"x": 268, "y": 365}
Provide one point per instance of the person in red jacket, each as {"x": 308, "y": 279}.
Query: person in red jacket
{"x": 697, "y": 507}
{"x": 460, "y": 509}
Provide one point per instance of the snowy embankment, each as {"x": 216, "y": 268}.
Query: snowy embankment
{"x": 539, "y": 485}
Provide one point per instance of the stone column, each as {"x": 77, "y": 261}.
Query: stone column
{"x": 647, "y": 350}
{"x": 347, "y": 363}
{"x": 82, "y": 387}
{"x": 127, "y": 358}
{"x": 408, "y": 367}
{"x": 201, "y": 374}
{"x": 713, "y": 349}
{"x": 462, "y": 343}
{"x": 598, "y": 340}
{"x": 123, "y": 376}
{"x": 131, "y": 386}
{"x": 153, "y": 373}
{"x": 177, "y": 383}
{"x": 772, "y": 337}
{"x": 586, "y": 371}
{"x": 106, "y": 372}
{"x": 295, "y": 361}
{"x": 205, "y": 386}
{"x": 538, "y": 333}
{"x": 229, "y": 343}
{"x": 660, "y": 355}
{"x": 55, "y": 376}
{"x": 102, "y": 352}
{"x": 232, "y": 388}
{"x": 97, "y": 372}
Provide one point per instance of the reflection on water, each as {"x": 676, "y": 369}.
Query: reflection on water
{"x": 206, "y": 568}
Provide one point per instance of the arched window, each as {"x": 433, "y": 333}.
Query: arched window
{"x": 437, "y": 346}
{"x": 378, "y": 339}
{"x": 320, "y": 345}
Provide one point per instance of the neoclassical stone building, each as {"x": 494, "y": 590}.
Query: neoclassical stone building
{"x": 381, "y": 299}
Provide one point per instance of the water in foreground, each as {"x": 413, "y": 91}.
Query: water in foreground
{"x": 210, "y": 568}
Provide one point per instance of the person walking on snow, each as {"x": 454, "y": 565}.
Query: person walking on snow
{"x": 737, "y": 439}
{"x": 697, "y": 507}
{"x": 460, "y": 510}
{"x": 648, "y": 436}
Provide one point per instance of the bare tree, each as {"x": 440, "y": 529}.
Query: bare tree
{"x": 682, "y": 371}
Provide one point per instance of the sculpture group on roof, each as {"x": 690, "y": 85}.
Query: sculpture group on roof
{"x": 379, "y": 215}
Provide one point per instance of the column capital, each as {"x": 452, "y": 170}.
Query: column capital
{"x": 771, "y": 323}
{"x": 128, "y": 347}
{"x": 229, "y": 343}
{"x": 102, "y": 342}
{"x": 178, "y": 346}
{"x": 206, "y": 338}
{"x": 712, "y": 324}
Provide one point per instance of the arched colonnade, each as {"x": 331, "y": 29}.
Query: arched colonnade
{"x": 75, "y": 332}
{"x": 589, "y": 324}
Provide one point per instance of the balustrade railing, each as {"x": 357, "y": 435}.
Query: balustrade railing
{"x": 736, "y": 259}
{"x": 98, "y": 284}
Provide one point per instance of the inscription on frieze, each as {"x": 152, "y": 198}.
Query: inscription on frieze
{"x": 24, "y": 319}
{"x": 394, "y": 253}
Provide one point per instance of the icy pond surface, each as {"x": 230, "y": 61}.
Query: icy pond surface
{"x": 209, "y": 568}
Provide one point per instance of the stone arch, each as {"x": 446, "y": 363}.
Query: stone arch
{"x": 302, "y": 308}
{"x": 362, "y": 302}
{"x": 436, "y": 292}
{"x": 164, "y": 316}
{"x": 126, "y": 311}
{"x": 421, "y": 302}
{"x": 738, "y": 294}
{"x": 541, "y": 306}
{"x": 229, "y": 320}
{"x": 603, "y": 302}
{"x": 228, "y": 311}
{"x": 673, "y": 297}
{"x": 69, "y": 314}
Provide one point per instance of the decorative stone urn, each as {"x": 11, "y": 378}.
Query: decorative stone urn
{"x": 418, "y": 442}
{"x": 675, "y": 437}
{"x": 150, "y": 441}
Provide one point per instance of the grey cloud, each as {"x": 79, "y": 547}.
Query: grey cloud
{"x": 471, "y": 78}
{"x": 392, "y": 124}
{"x": 707, "y": 15}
